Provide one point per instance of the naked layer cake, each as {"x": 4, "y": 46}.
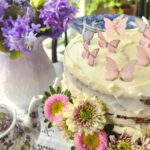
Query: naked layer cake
{"x": 113, "y": 64}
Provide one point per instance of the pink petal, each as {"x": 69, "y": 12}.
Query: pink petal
{"x": 78, "y": 142}
{"x": 47, "y": 106}
{"x": 103, "y": 141}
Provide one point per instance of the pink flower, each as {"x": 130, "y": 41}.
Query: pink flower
{"x": 97, "y": 141}
{"x": 54, "y": 106}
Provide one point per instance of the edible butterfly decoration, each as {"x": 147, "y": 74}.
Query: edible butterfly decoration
{"x": 118, "y": 25}
{"x": 145, "y": 41}
{"x": 89, "y": 55}
{"x": 142, "y": 24}
{"x": 112, "y": 45}
{"x": 125, "y": 74}
{"x": 143, "y": 57}
{"x": 88, "y": 36}
{"x": 88, "y": 31}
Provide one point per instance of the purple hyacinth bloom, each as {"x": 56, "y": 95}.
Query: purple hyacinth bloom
{"x": 57, "y": 14}
{"x": 19, "y": 34}
{"x": 35, "y": 27}
{"x": 3, "y": 6}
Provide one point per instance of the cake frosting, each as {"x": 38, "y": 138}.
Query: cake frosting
{"x": 128, "y": 102}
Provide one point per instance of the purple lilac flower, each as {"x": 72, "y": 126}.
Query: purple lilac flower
{"x": 18, "y": 34}
{"x": 3, "y": 6}
{"x": 57, "y": 14}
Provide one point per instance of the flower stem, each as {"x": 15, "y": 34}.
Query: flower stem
{"x": 54, "y": 50}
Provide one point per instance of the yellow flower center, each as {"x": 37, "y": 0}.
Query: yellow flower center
{"x": 91, "y": 141}
{"x": 56, "y": 107}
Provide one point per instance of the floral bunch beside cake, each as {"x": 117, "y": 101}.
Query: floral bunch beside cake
{"x": 22, "y": 21}
{"x": 84, "y": 120}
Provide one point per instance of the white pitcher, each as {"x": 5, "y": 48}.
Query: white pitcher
{"x": 25, "y": 77}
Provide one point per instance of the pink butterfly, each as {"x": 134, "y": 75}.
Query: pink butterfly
{"x": 89, "y": 55}
{"x": 125, "y": 74}
{"x": 112, "y": 45}
{"x": 118, "y": 25}
{"x": 143, "y": 57}
{"x": 145, "y": 42}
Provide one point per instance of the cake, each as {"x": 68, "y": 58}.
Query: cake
{"x": 113, "y": 64}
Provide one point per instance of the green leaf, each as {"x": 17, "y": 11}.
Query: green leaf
{"x": 3, "y": 49}
{"x": 73, "y": 148}
{"x": 52, "y": 90}
{"x": 15, "y": 54}
{"x": 13, "y": 11}
{"x": 108, "y": 128}
{"x": 69, "y": 94}
{"x": 43, "y": 29}
{"x": 37, "y": 3}
{"x": 58, "y": 90}
{"x": 47, "y": 94}
{"x": 50, "y": 125}
{"x": 66, "y": 92}
{"x": 45, "y": 120}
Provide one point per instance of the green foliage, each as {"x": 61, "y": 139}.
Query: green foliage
{"x": 37, "y": 4}
{"x": 92, "y": 6}
{"x": 43, "y": 29}
{"x": 50, "y": 125}
{"x": 109, "y": 128}
{"x": 58, "y": 90}
{"x": 111, "y": 3}
{"x": 73, "y": 148}
{"x": 13, "y": 11}
{"x": 3, "y": 48}
{"x": 16, "y": 54}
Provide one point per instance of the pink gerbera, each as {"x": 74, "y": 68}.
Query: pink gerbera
{"x": 54, "y": 106}
{"x": 97, "y": 141}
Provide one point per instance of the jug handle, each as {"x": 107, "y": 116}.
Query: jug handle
{"x": 32, "y": 117}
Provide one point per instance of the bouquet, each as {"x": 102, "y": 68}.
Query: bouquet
{"x": 21, "y": 22}
{"x": 83, "y": 119}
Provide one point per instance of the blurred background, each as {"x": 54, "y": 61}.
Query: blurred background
{"x": 129, "y": 7}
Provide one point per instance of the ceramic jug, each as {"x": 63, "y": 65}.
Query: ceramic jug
{"x": 19, "y": 133}
{"x": 22, "y": 78}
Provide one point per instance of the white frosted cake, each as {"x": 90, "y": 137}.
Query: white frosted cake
{"x": 115, "y": 66}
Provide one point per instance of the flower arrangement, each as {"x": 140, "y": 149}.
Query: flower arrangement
{"x": 83, "y": 120}
{"x": 22, "y": 21}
